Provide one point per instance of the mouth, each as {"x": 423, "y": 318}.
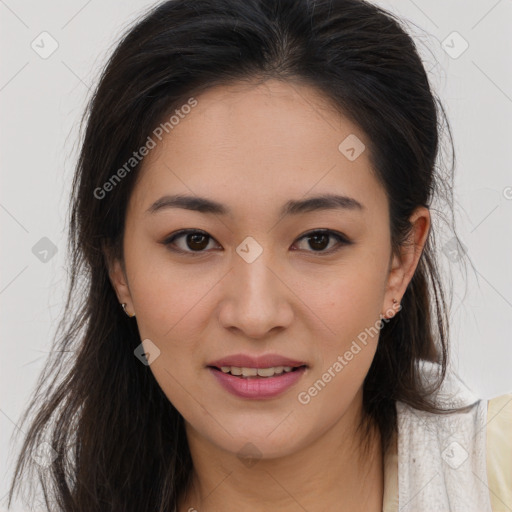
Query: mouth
{"x": 257, "y": 373}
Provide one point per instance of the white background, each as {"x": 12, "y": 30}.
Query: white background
{"x": 41, "y": 102}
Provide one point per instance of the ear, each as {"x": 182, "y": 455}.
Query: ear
{"x": 117, "y": 275}
{"x": 404, "y": 264}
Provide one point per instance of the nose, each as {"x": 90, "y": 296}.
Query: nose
{"x": 256, "y": 300}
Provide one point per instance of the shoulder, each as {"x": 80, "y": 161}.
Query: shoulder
{"x": 462, "y": 456}
{"x": 499, "y": 451}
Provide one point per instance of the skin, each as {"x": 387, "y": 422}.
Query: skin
{"x": 253, "y": 148}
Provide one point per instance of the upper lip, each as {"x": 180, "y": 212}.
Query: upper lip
{"x": 264, "y": 361}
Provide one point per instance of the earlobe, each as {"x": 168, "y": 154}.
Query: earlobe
{"x": 125, "y": 310}
{"x": 394, "y": 288}
{"x": 404, "y": 264}
{"x": 117, "y": 276}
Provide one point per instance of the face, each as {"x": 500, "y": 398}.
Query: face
{"x": 264, "y": 271}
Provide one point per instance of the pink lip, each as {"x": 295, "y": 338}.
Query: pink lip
{"x": 257, "y": 387}
{"x": 265, "y": 361}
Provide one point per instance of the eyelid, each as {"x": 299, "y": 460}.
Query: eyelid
{"x": 342, "y": 239}
{"x": 326, "y": 231}
{"x": 170, "y": 239}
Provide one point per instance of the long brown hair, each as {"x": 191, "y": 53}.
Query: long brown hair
{"x": 114, "y": 441}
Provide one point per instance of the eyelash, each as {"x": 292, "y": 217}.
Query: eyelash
{"x": 342, "y": 241}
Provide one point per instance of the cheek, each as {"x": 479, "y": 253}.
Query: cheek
{"x": 173, "y": 299}
{"x": 169, "y": 304}
{"x": 175, "y": 307}
{"x": 350, "y": 307}
{"x": 348, "y": 301}
{"x": 165, "y": 295}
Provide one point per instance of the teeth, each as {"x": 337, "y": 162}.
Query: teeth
{"x": 253, "y": 372}
{"x": 268, "y": 372}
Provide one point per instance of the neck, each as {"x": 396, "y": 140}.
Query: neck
{"x": 331, "y": 473}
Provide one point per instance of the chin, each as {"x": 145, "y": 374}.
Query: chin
{"x": 256, "y": 443}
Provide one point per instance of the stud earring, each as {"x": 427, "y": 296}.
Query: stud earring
{"x": 124, "y": 309}
{"x": 395, "y": 302}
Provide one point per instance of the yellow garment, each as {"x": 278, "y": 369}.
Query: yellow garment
{"x": 498, "y": 455}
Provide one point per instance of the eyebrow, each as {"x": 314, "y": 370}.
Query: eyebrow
{"x": 292, "y": 207}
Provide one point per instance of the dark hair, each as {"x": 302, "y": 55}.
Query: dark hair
{"x": 119, "y": 442}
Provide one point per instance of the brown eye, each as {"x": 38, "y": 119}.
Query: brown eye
{"x": 196, "y": 241}
{"x": 192, "y": 241}
{"x": 319, "y": 240}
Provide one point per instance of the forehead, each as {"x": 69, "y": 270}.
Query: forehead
{"x": 258, "y": 144}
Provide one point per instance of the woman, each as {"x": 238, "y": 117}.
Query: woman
{"x": 262, "y": 322}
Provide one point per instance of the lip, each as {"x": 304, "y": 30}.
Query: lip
{"x": 257, "y": 387}
{"x": 264, "y": 361}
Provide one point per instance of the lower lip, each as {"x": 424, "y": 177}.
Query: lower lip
{"x": 258, "y": 387}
